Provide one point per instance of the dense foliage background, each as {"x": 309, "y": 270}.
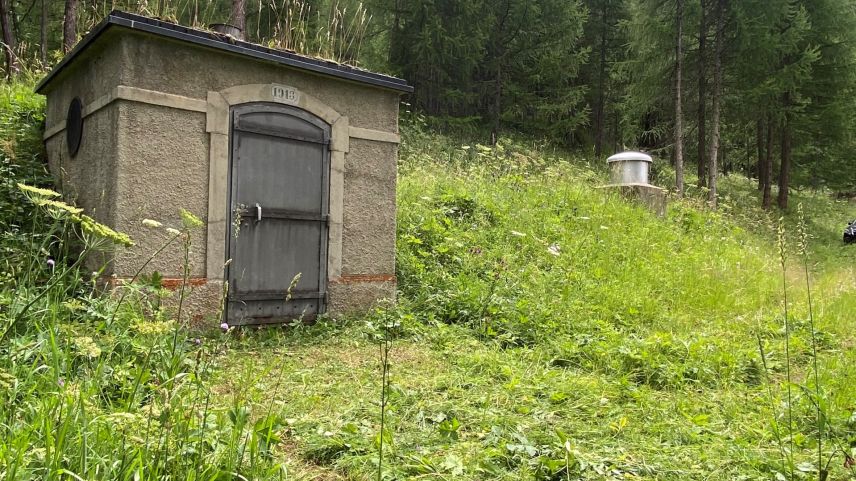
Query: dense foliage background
{"x": 767, "y": 86}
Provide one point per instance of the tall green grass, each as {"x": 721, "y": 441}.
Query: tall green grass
{"x": 523, "y": 248}
{"x": 98, "y": 388}
{"x": 551, "y": 330}
{"x": 95, "y": 386}
{"x": 545, "y": 329}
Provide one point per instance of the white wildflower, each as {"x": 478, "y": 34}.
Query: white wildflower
{"x": 86, "y": 347}
{"x": 189, "y": 220}
{"x": 29, "y": 189}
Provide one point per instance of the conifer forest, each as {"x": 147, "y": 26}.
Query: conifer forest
{"x": 519, "y": 314}
{"x": 763, "y": 88}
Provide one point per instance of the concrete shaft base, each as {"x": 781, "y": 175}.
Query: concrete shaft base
{"x": 203, "y": 299}
{"x": 202, "y": 302}
{"x": 652, "y": 197}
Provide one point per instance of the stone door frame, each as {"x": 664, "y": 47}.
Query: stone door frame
{"x": 218, "y": 126}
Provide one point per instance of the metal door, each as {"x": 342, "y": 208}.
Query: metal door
{"x": 279, "y": 183}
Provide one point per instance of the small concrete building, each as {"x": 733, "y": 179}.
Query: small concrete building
{"x": 290, "y": 161}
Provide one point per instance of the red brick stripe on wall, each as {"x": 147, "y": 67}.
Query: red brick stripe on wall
{"x": 171, "y": 283}
{"x": 175, "y": 282}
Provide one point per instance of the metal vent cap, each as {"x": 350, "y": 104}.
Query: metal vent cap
{"x": 638, "y": 156}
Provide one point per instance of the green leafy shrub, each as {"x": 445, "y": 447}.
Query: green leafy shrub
{"x": 21, "y": 161}
{"x": 518, "y": 245}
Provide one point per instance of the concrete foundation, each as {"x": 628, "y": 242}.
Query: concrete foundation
{"x": 652, "y": 197}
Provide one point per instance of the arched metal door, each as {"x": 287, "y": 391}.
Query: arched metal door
{"x": 280, "y": 171}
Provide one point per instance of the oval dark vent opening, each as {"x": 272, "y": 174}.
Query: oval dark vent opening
{"x": 74, "y": 126}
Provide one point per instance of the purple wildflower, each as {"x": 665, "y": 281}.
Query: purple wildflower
{"x": 224, "y": 326}
{"x": 197, "y": 341}
{"x": 61, "y": 382}
{"x": 51, "y": 263}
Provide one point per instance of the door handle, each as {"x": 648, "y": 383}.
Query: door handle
{"x": 258, "y": 212}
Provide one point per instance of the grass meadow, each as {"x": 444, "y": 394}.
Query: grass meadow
{"x": 545, "y": 329}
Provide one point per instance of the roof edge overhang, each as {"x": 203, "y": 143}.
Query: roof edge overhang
{"x": 219, "y": 42}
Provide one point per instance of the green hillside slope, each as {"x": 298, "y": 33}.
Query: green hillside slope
{"x": 545, "y": 329}
{"x": 548, "y": 329}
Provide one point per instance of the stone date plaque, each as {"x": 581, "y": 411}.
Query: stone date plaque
{"x": 284, "y": 94}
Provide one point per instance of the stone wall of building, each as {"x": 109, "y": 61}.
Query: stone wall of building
{"x": 147, "y": 150}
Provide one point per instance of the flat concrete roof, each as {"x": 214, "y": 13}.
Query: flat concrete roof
{"x": 123, "y": 20}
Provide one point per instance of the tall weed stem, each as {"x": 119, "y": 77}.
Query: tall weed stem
{"x": 185, "y": 275}
{"x": 803, "y": 247}
{"x": 769, "y": 382}
{"x": 385, "y": 347}
{"x": 783, "y": 259}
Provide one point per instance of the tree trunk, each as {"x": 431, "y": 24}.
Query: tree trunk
{"x": 69, "y": 26}
{"x": 10, "y": 45}
{"x": 716, "y": 100}
{"x": 702, "y": 100}
{"x": 497, "y": 102}
{"x": 16, "y": 21}
{"x": 396, "y": 30}
{"x": 43, "y": 34}
{"x": 615, "y": 130}
{"x": 785, "y": 167}
{"x": 679, "y": 116}
{"x": 759, "y": 144}
{"x": 239, "y": 17}
{"x": 768, "y": 166}
{"x": 600, "y": 109}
